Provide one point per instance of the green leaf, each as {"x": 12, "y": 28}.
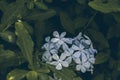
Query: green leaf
{"x": 99, "y": 77}
{"x": 43, "y": 76}
{"x": 6, "y": 56}
{"x": 41, "y": 16}
{"x": 49, "y": 1}
{"x": 32, "y": 75}
{"x": 64, "y": 74}
{"x": 3, "y": 5}
{"x": 81, "y": 1}
{"x": 24, "y": 41}
{"x": 67, "y": 22}
{"x": 16, "y": 74}
{"x": 28, "y": 27}
{"x": 80, "y": 22}
{"x": 117, "y": 16}
{"x": 9, "y": 58}
{"x": 11, "y": 13}
{"x": 99, "y": 38}
{"x": 105, "y": 7}
{"x": 8, "y": 36}
{"x": 41, "y": 5}
{"x": 30, "y": 5}
{"x": 77, "y": 78}
{"x": 102, "y": 57}
{"x": 113, "y": 31}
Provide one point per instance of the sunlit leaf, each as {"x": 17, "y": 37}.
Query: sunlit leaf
{"x": 105, "y": 7}
{"x": 8, "y": 36}
{"x": 32, "y": 75}
{"x": 24, "y": 42}
{"x": 16, "y": 74}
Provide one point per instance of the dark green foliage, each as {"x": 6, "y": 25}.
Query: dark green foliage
{"x": 24, "y": 24}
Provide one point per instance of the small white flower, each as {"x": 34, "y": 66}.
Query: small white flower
{"x": 59, "y": 62}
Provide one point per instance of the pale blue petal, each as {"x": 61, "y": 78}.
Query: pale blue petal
{"x": 76, "y": 42}
{"x": 53, "y": 63}
{"x": 62, "y": 34}
{"x": 46, "y": 56}
{"x": 56, "y": 34}
{"x": 67, "y": 40}
{"x": 60, "y": 42}
{"x": 47, "y": 39}
{"x": 83, "y": 69}
{"x": 69, "y": 59}
{"x": 67, "y": 53}
{"x": 51, "y": 45}
{"x": 54, "y": 40}
{"x": 46, "y": 46}
{"x": 57, "y": 45}
{"x": 65, "y": 63}
{"x": 87, "y": 37}
{"x": 79, "y": 36}
{"x": 87, "y": 64}
{"x": 71, "y": 50}
{"x": 59, "y": 66}
{"x": 92, "y": 51}
{"x": 87, "y": 42}
{"x": 53, "y": 51}
{"x": 76, "y": 54}
{"x": 74, "y": 47}
{"x": 81, "y": 47}
{"x": 55, "y": 56}
{"x": 92, "y": 60}
{"x": 83, "y": 58}
{"x": 77, "y": 60}
{"x": 63, "y": 56}
{"x": 78, "y": 67}
{"x": 65, "y": 46}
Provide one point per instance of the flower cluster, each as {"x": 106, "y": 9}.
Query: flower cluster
{"x": 61, "y": 51}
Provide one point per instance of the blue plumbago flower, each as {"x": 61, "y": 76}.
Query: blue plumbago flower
{"x": 50, "y": 49}
{"x": 69, "y": 53}
{"x": 59, "y": 62}
{"x": 60, "y": 39}
{"x": 81, "y": 51}
{"x": 82, "y": 64}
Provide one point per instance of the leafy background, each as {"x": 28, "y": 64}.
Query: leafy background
{"x": 20, "y": 42}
